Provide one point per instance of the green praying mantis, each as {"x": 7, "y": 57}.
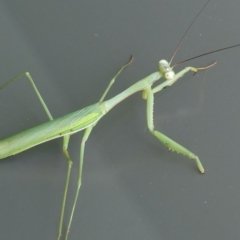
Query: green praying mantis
{"x": 87, "y": 118}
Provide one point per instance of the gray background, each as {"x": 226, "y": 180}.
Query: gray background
{"x": 133, "y": 188}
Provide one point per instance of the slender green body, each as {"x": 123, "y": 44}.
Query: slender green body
{"x": 68, "y": 124}
{"x": 87, "y": 118}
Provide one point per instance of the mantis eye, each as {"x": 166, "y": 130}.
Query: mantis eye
{"x": 165, "y": 70}
{"x": 169, "y": 75}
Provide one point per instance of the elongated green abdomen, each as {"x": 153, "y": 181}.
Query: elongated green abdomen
{"x": 70, "y": 123}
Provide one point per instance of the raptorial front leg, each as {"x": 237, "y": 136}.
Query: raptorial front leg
{"x": 28, "y": 76}
{"x": 170, "y": 82}
{"x": 172, "y": 145}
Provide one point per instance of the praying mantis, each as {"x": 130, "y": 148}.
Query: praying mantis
{"x": 87, "y": 118}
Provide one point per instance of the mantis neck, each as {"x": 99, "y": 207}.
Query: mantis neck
{"x": 138, "y": 86}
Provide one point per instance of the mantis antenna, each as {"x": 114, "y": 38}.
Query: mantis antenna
{"x": 218, "y": 50}
{"x": 186, "y": 33}
{"x": 201, "y": 55}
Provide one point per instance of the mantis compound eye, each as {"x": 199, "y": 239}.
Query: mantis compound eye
{"x": 169, "y": 75}
{"x": 165, "y": 70}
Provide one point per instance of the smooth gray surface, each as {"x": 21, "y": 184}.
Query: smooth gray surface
{"x": 133, "y": 188}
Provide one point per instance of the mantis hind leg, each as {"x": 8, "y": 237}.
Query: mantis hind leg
{"x": 69, "y": 163}
{"x": 28, "y": 76}
{"x": 65, "y": 142}
{"x": 86, "y": 135}
{"x": 172, "y": 145}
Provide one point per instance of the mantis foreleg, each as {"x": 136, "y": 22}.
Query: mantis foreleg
{"x": 148, "y": 94}
{"x": 172, "y": 145}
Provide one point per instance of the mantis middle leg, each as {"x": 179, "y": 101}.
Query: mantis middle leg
{"x": 86, "y": 135}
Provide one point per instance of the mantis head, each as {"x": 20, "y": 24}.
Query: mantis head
{"x": 165, "y": 70}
